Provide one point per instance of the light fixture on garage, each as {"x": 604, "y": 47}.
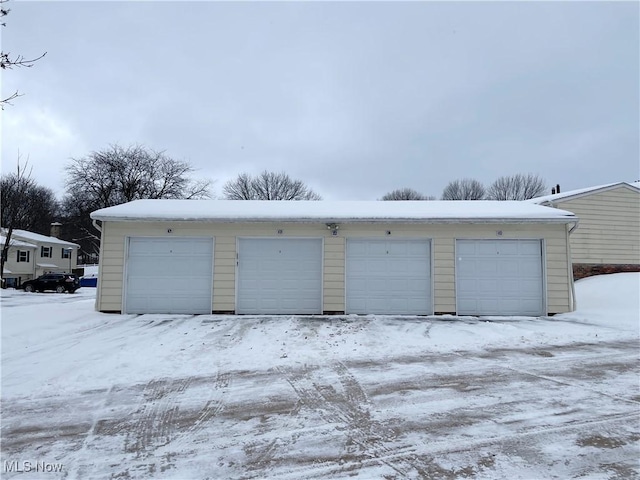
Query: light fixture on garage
{"x": 334, "y": 228}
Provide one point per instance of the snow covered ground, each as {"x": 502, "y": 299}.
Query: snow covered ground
{"x": 87, "y": 395}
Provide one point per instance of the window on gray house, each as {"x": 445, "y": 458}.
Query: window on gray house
{"x": 45, "y": 252}
{"x": 23, "y": 255}
{"x": 66, "y": 253}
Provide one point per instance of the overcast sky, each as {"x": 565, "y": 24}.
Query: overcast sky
{"x": 355, "y": 99}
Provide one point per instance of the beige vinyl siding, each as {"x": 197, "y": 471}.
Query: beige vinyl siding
{"x": 110, "y": 274}
{"x": 609, "y": 230}
{"x": 442, "y": 238}
{"x": 333, "y": 277}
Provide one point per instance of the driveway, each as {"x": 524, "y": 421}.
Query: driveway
{"x": 174, "y": 397}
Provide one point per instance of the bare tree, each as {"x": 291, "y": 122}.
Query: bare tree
{"x": 517, "y": 187}
{"x": 118, "y": 175}
{"x": 406, "y": 194}
{"x": 23, "y": 205}
{"x": 465, "y": 189}
{"x": 268, "y": 186}
{"x": 7, "y": 61}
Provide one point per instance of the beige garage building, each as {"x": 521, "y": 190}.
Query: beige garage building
{"x": 396, "y": 258}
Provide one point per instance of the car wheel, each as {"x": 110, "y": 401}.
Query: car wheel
{"x": 28, "y": 288}
{"x": 60, "y": 289}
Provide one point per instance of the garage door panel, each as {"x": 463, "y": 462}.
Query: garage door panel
{"x": 530, "y": 306}
{"x": 417, "y": 267}
{"x": 466, "y": 284}
{"x": 499, "y": 277}
{"x": 508, "y": 267}
{"x": 533, "y": 286}
{"x": 358, "y": 285}
{"x": 268, "y": 284}
{"x": 397, "y": 284}
{"x": 378, "y": 284}
{"x": 485, "y": 267}
{"x": 509, "y": 288}
{"x": 512, "y": 307}
{"x": 398, "y": 267}
{"x": 266, "y": 305}
{"x": 388, "y": 276}
{"x": 418, "y": 286}
{"x": 375, "y": 266}
{"x": 200, "y": 270}
{"x": 467, "y": 305}
{"x": 358, "y": 249}
{"x": 397, "y": 249}
{"x": 359, "y": 303}
{"x": 248, "y": 283}
{"x": 488, "y": 304}
{"x": 359, "y": 268}
{"x": 531, "y": 266}
{"x": 373, "y": 249}
{"x": 466, "y": 269}
{"x": 486, "y": 248}
{"x": 532, "y": 248}
{"x": 417, "y": 249}
{"x": 467, "y": 248}
{"x": 169, "y": 275}
{"x": 486, "y": 287}
{"x": 508, "y": 249}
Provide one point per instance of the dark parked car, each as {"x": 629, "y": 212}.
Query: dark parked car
{"x": 60, "y": 282}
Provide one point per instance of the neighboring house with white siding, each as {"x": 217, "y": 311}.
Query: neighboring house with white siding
{"x": 608, "y": 237}
{"x": 19, "y": 265}
{"x": 397, "y": 258}
{"x": 32, "y": 254}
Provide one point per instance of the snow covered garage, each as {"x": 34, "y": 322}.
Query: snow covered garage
{"x": 396, "y": 258}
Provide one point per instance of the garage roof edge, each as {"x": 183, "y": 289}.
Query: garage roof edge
{"x": 225, "y": 211}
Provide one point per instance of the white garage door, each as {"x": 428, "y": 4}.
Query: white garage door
{"x": 388, "y": 277}
{"x": 169, "y": 275}
{"x": 279, "y": 275}
{"x": 499, "y": 277}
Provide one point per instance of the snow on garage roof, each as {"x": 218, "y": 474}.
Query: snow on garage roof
{"x": 332, "y": 211}
{"x": 581, "y": 191}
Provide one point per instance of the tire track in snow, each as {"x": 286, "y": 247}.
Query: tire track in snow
{"x": 154, "y": 425}
{"x": 366, "y": 438}
{"x": 553, "y": 363}
{"x": 212, "y": 408}
{"x": 161, "y": 428}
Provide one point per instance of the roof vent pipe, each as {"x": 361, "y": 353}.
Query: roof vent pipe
{"x": 553, "y": 190}
{"x": 558, "y": 188}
